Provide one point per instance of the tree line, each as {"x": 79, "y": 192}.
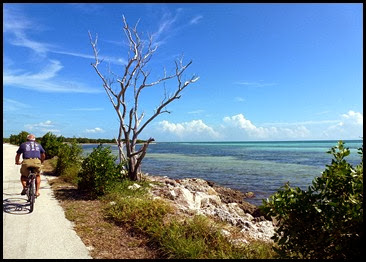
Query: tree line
{"x": 22, "y": 137}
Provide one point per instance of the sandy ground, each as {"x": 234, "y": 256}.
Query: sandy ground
{"x": 44, "y": 233}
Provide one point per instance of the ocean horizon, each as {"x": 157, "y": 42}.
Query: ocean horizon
{"x": 261, "y": 167}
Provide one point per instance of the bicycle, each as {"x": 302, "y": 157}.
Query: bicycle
{"x": 31, "y": 187}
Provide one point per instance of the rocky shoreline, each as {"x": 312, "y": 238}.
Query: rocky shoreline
{"x": 190, "y": 196}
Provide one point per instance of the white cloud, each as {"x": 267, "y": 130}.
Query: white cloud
{"x": 88, "y": 8}
{"x": 244, "y": 129}
{"x": 42, "y": 127}
{"x": 189, "y": 130}
{"x": 16, "y": 25}
{"x": 240, "y": 121}
{"x": 165, "y": 26}
{"x": 94, "y": 130}
{"x": 47, "y": 123}
{"x": 259, "y": 83}
{"x": 45, "y": 80}
{"x": 17, "y": 28}
{"x": 169, "y": 26}
{"x": 353, "y": 117}
{"x": 199, "y": 111}
{"x": 350, "y": 126}
{"x": 87, "y": 109}
{"x": 38, "y": 47}
{"x": 13, "y": 105}
{"x": 311, "y": 122}
{"x": 195, "y": 19}
{"x": 49, "y": 72}
{"x": 109, "y": 59}
{"x": 239, "y": 128}
{"x": 239, "y": 99}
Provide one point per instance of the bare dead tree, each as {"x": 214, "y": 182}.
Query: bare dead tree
{"x": 135, "y": 77}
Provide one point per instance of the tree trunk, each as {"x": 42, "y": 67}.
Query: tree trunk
{"x": 133, "y": 169}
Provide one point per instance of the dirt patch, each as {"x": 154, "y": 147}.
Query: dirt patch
{"x": 103, "y": 238}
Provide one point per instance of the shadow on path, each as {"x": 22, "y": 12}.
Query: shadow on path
{"x": 72, "y": 193}
{"x": 16, "y": 206}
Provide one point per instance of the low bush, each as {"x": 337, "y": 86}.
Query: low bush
{"x": 143, "y": 214}
{"x": 122, "y": 188}
{"x": 69, "y": 162}
{"x": 99, "y": 171}
{"x": 197, "y": 237}
{"x": 18, "y": 139}
{"x": 326, "y": 221}
{"x": 51, "y": 144}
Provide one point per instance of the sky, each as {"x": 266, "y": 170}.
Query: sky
{"x": 267, "y": 72}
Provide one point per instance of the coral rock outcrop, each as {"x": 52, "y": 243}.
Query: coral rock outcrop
{"x": 197, "y": 196}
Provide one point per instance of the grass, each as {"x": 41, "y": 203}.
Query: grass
{"x": 127, "y": 223}
{"x": 174, "y": 237}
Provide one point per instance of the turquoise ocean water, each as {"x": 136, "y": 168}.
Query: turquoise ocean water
{"x": 259, "y": 167}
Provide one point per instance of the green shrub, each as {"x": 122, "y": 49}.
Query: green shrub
{"x": 51, "y": 144}
{"x": 99, "y": 171}
{"x": 120, "y": 189}
{"x": 326, "y": 221}
{"x": 69, "y": 161}
{"x": 198, "y": 237}
{"x": 18, "y": 139}
{"x": 143, "y": 214}
{"x": 201, "y": 238}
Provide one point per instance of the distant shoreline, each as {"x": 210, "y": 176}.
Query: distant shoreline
{"x": 219, "y": 142}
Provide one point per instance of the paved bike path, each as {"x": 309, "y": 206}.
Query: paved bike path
{"x": 44, "y": 233}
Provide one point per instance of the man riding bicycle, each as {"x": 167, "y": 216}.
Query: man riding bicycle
{"x": 33, "y": 156}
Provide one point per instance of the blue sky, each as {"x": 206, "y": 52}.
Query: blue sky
{"x": 267, "y": 71}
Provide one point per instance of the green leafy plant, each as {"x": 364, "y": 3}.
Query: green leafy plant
{"x": 18, "y": 139}
{"x": 326, "y": 221}
{"x": 99, "y": 171}
{"x": 197, "y": 237}
{"x": 51, "y": 144}
{"x": 69, "y": 161}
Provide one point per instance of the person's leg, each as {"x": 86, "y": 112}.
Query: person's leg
{"x": 38, "y": 176}
{"x": 23, "y": 178}
{"x": 38, "y": 184}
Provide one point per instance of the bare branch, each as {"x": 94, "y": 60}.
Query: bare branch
{"x": 175, "y": 96}
{"x": 134, "y": 80}
{"x": 106, "y": 85}
{"x": 144, "y": 147}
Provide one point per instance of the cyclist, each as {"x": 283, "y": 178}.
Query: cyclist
{"x": 33, "y": 156}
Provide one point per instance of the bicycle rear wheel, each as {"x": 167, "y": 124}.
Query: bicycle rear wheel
{"x": 32, "y": 194}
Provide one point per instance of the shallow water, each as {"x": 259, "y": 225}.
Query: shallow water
{"x": 259, "y": 167}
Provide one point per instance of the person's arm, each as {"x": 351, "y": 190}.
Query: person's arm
{"x": 17, "y": 157}
{"x": 43, "y": 157}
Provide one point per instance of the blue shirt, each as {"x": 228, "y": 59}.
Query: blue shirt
{"x": 31, "y": 149}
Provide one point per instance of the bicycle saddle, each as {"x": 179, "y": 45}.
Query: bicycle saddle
{"x": 32, "y": 169}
